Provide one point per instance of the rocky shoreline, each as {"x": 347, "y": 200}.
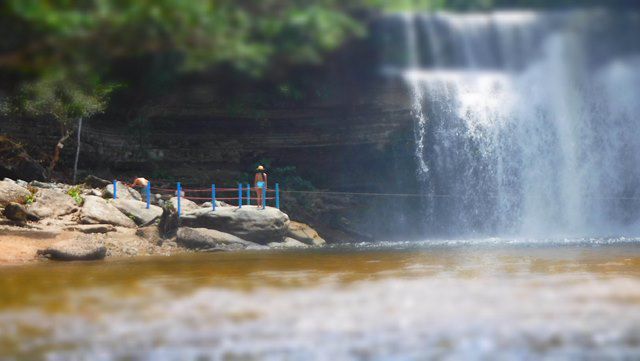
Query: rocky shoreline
{"x": 58, "y": 221}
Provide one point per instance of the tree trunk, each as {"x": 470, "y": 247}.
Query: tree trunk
{"x": 75, "y": 164}
{"x": 56, "y": 152}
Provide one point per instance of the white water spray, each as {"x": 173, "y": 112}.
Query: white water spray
{"x": 527, "y": 119}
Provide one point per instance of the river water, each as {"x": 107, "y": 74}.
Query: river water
{"x": 471, "y": 299}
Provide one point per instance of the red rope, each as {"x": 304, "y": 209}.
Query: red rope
{"x": 224, "y": 199}
{"x": 198, "y": 198}
{"x": 199, "y": 190}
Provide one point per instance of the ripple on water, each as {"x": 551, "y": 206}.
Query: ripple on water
{"x": 558, "y": 303}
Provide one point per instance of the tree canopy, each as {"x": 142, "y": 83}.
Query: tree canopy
{"x": 57, "y": 56}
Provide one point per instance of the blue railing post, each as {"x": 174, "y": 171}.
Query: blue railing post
{"x": 239, "y": 195}
{"x": 213, "y": 196}
{"x": 179, "y": 196}
{"x": 248, "y": 194}
{"x": 264, "y": 196}
{"x": 115, "y": 189}
{"x": 148, "y": 195}
{"x": 277, "y": 195}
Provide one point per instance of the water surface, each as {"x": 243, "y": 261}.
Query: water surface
{"x": 492, "y": 299}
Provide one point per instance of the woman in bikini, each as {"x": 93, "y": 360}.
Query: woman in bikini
{"x": 260, "y": 181}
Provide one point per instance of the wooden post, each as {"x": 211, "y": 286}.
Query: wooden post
{"x": 248, "y": 194}
{"x": 239, "y": 195}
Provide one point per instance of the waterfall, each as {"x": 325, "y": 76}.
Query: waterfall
{"x": 526, "y": 122}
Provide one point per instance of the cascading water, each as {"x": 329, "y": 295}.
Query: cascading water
{"x": 526, "y": 122}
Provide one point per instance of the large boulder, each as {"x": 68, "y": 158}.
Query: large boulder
{"x": 19, "y": 213}
{"x": 254, "y": 224}
{"x": 82, "y": 248}
{"x": 52, "y": 203}
{"x": 209, "y": 239}
{"x": 185, "y": 204}
{"x": 15, "y": 162}
{"x": 138, "y": 211}
{"x": 151, "y": 234}
{"x": 96, "y": 210}
{"x": 10, "y": 191}
{"x": 95, "y": 182}
{"x": 305, "y": 234}
{"x": 122, "y": 192}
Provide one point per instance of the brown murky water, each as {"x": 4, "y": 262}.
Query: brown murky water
{"x": 393, "y": 301}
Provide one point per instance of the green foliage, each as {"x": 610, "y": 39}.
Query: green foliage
{"x": 76, "y": 193}
{"x": 30, "y": 199}
{"x": 60, "y": 55}
{"x": 62, "y": 97}
{"x": 64, "y": 54}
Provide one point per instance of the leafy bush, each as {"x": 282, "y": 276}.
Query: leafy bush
{"x": 30, "y": 199}
{"x": 76, "y": 194}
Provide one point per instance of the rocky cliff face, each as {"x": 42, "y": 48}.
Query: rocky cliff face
{"x": 357, "y": 139}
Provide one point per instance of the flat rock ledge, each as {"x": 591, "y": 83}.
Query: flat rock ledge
{"x": 288, "y": 244}
{"x": 212, "y": 240}
{"x": 91, "y": 228}
{"x": 82, "y": 248}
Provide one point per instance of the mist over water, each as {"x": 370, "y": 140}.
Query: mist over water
{"x": 526, "y": 122}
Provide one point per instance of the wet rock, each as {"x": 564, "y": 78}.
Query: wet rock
{"x": 209, "y": 239}
{"x": 138, "y": 211}
{"x": 150, "y": 234}
{"x": 33, "y": 233}
{"x": 19, "y": 213}
{"x": 52, "y": 203}
{"x": 92, "y": 228}
{"x": 122, "y": 192}
{"x": 261, "y": 226}
{"x": 305, "y": 234}
{"x": 95, "y": 182}
{"x": 96, "y": 210}
{"x": 288, "y": 243}
{"x": 10, "y": 191}
{"x": 168, "y": 222}
{"x": 82, "y": 248}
